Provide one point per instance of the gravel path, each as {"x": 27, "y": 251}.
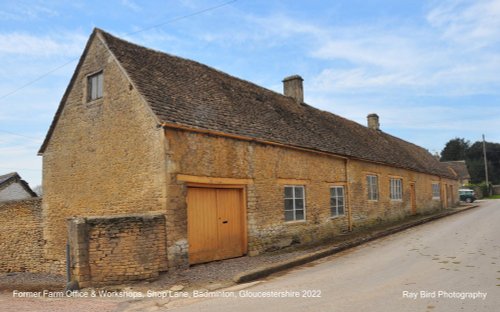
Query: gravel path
{"x": 26, "y": 281}
{"x": 220, "y": 272}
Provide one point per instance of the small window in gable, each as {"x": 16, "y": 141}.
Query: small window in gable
{"x": 94, "y": 86}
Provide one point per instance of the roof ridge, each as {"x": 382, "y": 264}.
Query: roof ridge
{"x": 13, "y": 173}
{"x": 106, "y": 36}
{"x": 292, "y": 102}
{"x": 8, "y": 177}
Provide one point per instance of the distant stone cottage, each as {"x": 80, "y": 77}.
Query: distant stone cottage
{"x": 459, "y": 168}
{"x": 12, "y": 187}
{"x": 233, "y": 168}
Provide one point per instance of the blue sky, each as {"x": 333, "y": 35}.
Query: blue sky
{"x": 430, "y": 69}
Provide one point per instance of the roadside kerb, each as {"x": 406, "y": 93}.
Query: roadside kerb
{"x": 264, "y": 271}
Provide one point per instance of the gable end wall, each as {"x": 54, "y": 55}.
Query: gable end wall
{"x": 104, "y": 157}
{"x": 14, "y": 191}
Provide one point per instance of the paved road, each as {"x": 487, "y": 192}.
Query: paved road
{"x": 457, "y": 255}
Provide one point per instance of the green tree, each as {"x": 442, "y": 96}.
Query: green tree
{"x": 476, "y": 170}
{"x": 475, "y": 162}
{"x": 455, "y": 149}
{"x": 460, "y": 149}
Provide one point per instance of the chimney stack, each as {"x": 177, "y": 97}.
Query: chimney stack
{"x": 292, "y": 87}
{"x": 373, "y": 122}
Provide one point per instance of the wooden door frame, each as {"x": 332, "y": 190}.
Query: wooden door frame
{"x": 445, "y": 195}
{"x": 450, "y": 191}
{"x": 243, "y": 189}
{"x": 413, "y": 197}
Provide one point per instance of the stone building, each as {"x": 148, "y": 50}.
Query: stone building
{"x": 459, "y": 168}
{"x": 12, "y": 187}
{"x": 233, "y": 168}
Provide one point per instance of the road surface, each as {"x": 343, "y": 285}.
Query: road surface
{"x": 452, "y": 264}
{"x": 446, "y": 265}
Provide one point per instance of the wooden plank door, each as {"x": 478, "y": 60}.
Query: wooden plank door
{"x": 202, "y": 224}
{"x": 413, "y": 199}
{"x": 229, "y": 223}
{"x": 215, "y": 224}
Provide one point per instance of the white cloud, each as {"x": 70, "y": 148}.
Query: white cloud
{"x": 338, "y": 80}
{"x": 20, "y": 154}
{"x": 384, "y": 52}
{"x": 432, "y": 125}
{"x": 280, "y": 25}
{"x": 191, "y": 4}
{"x": 258, "y": 31}
{"x": 472, "y": 23}
{"x": 131, "y": 5}
{"x": 17, "y": 44}
{"x": 19, "y": 11}
{"x": 151, "y": 38}
{"x": 446, "y": 57}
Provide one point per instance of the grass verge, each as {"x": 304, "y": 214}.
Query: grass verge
{"x": 493, "y": 197}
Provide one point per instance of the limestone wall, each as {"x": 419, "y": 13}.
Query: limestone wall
{"x": 266, "y": 170}
{"x": 116, "y": 249}
{"x": 496, "y": 189}
{"x": 367, "y": 212}
{"x": 21, "y": 241}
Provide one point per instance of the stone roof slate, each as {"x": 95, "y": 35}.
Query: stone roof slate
{"x": 13, "y": 177}
{"x": 190, "y": 94}
{"x": 460, "y": 167}
{"x": 6, "y": 177}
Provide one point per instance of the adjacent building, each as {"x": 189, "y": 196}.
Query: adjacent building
{"x": 459, "y": 168}
{"x": 12, "y": 187}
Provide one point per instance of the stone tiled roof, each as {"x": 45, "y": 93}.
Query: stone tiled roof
{"x": 460, "y": 167}
{"x": 187, "y": 93}
{"x": 6, "y": 177}
{"x": 13, "y": 177}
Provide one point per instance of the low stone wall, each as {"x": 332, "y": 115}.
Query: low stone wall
{"x": 116, "y": 249}
{"x": 21, "y": 237}
{"x": 496, "y": 189}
